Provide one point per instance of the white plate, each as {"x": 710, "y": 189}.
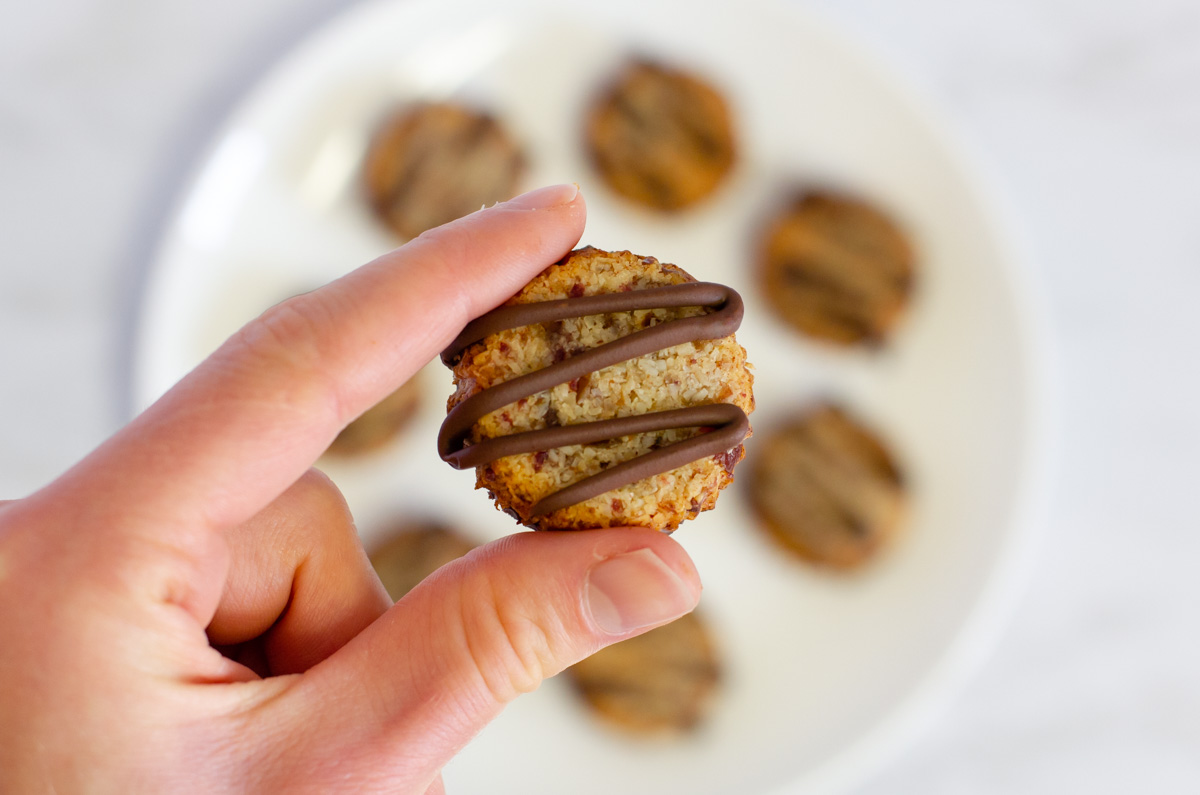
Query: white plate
{"x": 825, "y": 674}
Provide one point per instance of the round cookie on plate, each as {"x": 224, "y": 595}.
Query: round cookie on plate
{"x": 658, "y": 682}
{"x": 414, "y": 550}
{"x": 379, "y": 424}
{"x": 434, "y": 162}
{"x": 827, "y": 489}
{"x": 609, "y": 391}
{"x": 661, "y": 136}
{"x": 836, "y": 268}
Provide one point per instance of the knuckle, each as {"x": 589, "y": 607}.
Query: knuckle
{"x": 295, "y": 339}
{"x": 321, "y": 499}
{"x": 293, "y": 329}
{"x": 445, "y": 250}
{"x": 321, "y": 491}
{"x": 509, "y": 644}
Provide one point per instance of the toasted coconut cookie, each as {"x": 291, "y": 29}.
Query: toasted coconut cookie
{"x": 379, "y": 424}
{"x": 432, "y": 163}
{"x": 837, "y": 268}
{"x": 659, "y": 682}
{"x": 827, "y": 489}
{"x": 708, "y": 369}
{"x": 413, "y": 551}
{"x": 660, "y": 136}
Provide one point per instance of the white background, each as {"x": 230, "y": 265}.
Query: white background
{"x": 1088, "y": 113}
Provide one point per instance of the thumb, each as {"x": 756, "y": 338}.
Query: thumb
{"x": 398, "y": 701}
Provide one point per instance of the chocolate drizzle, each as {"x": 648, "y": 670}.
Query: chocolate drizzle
{"x": 728, "y": 423}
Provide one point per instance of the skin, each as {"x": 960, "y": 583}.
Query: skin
{"x": 189, "y": 607}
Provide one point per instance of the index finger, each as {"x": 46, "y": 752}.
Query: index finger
{"x": 253, "y": 417}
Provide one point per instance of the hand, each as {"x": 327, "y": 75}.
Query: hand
{"x": 201, "y": 525}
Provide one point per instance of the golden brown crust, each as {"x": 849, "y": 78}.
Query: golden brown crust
{"x": 659, "y": 682}
{"x": 836, "y": 268}
{"x": 414, "y": 550}
{"x": 432, "y": 163}
{"x": 707, "y": 371}
{"x": 827, "y": 489}
{"x": 661, "y": 137}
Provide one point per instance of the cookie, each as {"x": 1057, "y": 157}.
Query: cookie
{"x": 660, "y": 682}
{"x": 827, "y": 489}
{"x": 836, "y": 268}
{"x": 660, "y": 136}
{"x": 432, "y": 163}
{"x": 412, "y": 552}
{"x": 609, "y": 391}
{"x": 379, "y": 424}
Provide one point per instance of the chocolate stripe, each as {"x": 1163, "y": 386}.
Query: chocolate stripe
{"x": 732, "y": 423}
{"x": 502, "y": 318}
{"x": 732, "y": 431}
{"x": 711, "y": 414}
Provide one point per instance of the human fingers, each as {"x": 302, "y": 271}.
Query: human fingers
{"x": 400, "y": 699}
{"x": 238, "y": 430}
{"x": 299, "y": 585}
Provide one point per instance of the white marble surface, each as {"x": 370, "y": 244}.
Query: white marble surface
{"x": 1089, "y": 114}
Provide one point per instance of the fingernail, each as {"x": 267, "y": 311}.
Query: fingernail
{"x": 545, "y": 198}
{"x": 635, "y": 590}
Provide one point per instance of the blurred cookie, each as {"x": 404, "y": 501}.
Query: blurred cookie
{"x": 660, "y": 136}
{"x": 432, "y": 163}
{"x": 836, "y": 268}
{"x": 412, "y": 552}
{"x": 609, "y": 391}
{"x": 827, "y": 489}
{"x": 662, "y": 681}
{"x": 379, "y": 424}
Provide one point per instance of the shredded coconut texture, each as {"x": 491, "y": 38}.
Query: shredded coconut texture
{"x": 691, "y": 374}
